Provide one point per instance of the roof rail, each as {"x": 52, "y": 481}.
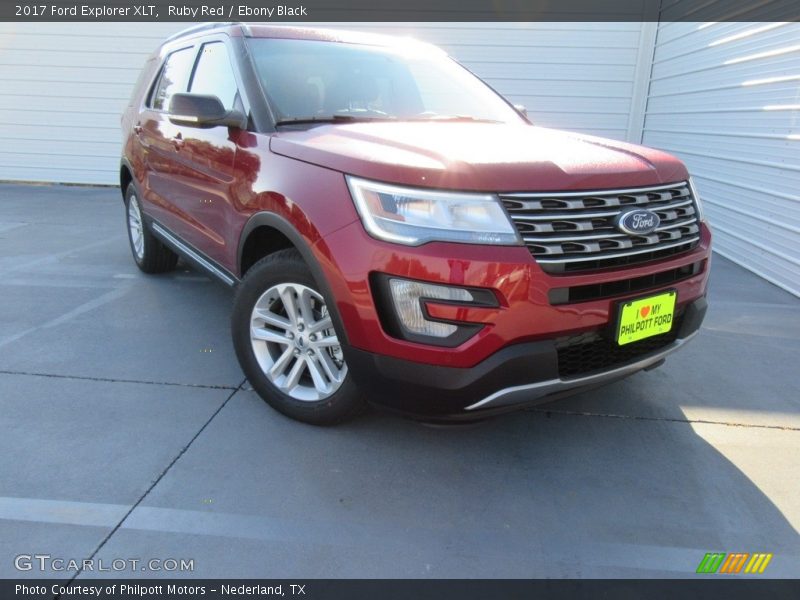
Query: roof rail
{"x": 203, "y": 27}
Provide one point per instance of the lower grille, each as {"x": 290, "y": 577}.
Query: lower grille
{"x": 609, "y": 289}
{"x": 595, "y": 351}
{"x": 579, "y": 231}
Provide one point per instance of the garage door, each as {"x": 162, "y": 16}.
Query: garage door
{"x": 725, "y": 97}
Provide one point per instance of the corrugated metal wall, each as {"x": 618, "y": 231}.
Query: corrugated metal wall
{"x": 65, "y": 85}
{"x": 725, "y": 97}
{"x": 63, "y": 89}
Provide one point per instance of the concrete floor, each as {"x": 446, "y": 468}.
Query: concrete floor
{"x": 128, "y": 432}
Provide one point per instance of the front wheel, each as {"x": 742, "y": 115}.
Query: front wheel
{"x": 287, "y": 345}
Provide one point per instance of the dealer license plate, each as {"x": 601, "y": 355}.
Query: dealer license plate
{"x": 646, "y": 317}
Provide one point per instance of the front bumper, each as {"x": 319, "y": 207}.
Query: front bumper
{"x": 532, "y": 303}
{"x": 517, "y": 376}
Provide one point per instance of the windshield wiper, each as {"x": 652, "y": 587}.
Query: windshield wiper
{"x": 331, "y": 119}
{"x": 454, "y": 118}
{"x": 361, "y": 118}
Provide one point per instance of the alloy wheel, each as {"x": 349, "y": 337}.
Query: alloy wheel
{"x": 294, "y": 342}
{"x": 136, "y": 227}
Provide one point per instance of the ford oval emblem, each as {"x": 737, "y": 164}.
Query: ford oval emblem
{"x": 638, "y": 222}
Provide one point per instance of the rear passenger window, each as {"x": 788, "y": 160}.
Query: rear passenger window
{"x": 174, "y": 78}
{"x": 214, "y": 75}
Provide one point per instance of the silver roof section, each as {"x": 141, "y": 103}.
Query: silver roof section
{"x": 206, "y": 27}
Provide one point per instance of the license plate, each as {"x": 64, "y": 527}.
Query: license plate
{"x": 646, "y": 317}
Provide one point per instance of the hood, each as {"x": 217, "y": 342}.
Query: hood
{"x": 478, "y": 156}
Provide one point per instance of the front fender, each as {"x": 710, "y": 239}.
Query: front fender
{"x": 307, "y": 247}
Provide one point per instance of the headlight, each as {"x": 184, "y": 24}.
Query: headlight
{"x": 416, "y": 216}
{"x": 700, "y": 214}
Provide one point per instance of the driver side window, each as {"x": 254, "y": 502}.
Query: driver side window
{"x": 214, "y": 75}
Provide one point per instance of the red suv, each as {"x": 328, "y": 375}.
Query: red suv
{"x": 398, "y": 233}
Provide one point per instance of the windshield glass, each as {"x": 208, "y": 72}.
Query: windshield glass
{"x": 309, "y": 79}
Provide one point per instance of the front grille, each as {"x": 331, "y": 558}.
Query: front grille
{"x": 594, "y": 351}
{"x": 575, "y": 231}
{"x": 609, "y": 289}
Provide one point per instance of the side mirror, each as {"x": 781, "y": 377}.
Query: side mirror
{"x": 200, "y": 110}
{"x": 521, "y": 110}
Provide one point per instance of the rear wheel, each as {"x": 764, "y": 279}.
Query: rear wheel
{"x": 287, "y": 344}
{"x": 150, "y": 255}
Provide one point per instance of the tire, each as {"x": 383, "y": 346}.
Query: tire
{"x": 149, "y": 253}
{"x": 287, "y": 344}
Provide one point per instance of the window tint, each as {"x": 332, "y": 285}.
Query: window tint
{"x": 174, "y": 78}
{"x": 214, "y": 75}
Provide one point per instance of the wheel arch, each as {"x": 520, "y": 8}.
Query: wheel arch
{"x": 260, "y": 241}
{"x": 272, "y": 232}
{"x": 125, "y": 177}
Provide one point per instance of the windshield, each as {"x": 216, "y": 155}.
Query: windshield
{"x": 317, "y": 80}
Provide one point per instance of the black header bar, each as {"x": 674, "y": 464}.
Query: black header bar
{"x": 707, "y": 588}
{"x": 399, "y": 10}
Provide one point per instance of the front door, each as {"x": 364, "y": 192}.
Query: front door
{"x": 159, "y": 140}
{"x": 206, "y": 156}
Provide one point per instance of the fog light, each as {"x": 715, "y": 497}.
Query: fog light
{"x": 407, "y": 296}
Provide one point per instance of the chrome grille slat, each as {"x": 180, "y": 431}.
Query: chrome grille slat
{"x": 621, "y": 192}
{"x": 610, "y": 256}
{"x": 574, "y": 231}
{"x": 608, "y": 213}
{"x": 600, "y": 236}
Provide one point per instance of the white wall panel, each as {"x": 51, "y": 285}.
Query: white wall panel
{"x": 725, "y": 97}
{"x": 62, "y": 90}
{"x": 63, "y": 86}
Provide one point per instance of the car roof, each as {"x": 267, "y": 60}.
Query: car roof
{"x": 260, "y": 30}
